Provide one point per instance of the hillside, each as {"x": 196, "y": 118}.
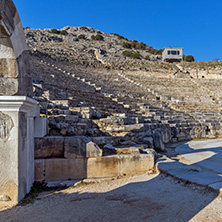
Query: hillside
{"x": 92, "y": 48}
{"x": 86, "y": 86}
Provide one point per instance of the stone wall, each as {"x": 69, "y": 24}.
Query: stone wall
{"x": 14, "y": 64}
{"x": 65, "y": 158}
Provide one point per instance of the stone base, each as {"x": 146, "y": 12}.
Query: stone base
{"x": 93, "y": 168}
{"x": 17, "y": 146}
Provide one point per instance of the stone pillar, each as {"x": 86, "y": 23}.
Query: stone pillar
{"x": 16, "y": 108}
{"x": 16, "y": 146}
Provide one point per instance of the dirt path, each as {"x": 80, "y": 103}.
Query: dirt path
{"x": 140, "y": 198}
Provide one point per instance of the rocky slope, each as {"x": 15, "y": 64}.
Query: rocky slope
{"x": 92, "y": 48}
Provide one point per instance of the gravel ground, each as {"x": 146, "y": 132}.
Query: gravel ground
{"x": 141, "y": 198}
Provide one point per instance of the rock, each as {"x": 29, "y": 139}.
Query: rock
{"x": 109, "y": 146}
{"x": 148, "y": 141}
{"x": 158, "y": 142}
{"x": 80, "y": 146}
{"x": 102, "y": 140}
{"x": 92, "y": 132}
{"x": 128, "y": 142}
{"x": 63, "y": 132}
{"x": 128, "y": 150}
{"x": 109, "y": 149}
{"x": 49, "y": 147}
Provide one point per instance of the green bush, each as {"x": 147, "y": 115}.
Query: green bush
{"x": 97, "y": 37}
{"x": 147, "y": 57}
{"x": 189, "y": 58}
{"x": 55, "y": 31}
{"x": 154, "y": 51}
{"x": 137, "y": 45}
{"x": 82, "y": 36}
{"x": 64, "y": 32}
{"x": 83, "y": 28}
{"x": 133, "y": 55}
{"x": 127, "y": 45}
{"x": 119, "y": 36}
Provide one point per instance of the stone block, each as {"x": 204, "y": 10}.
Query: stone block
{"x": 49, "y": 147}
{"x": 131, "y": 165}
{"x": 148, "y": 141}
{"x": 40, "y": 170}
{"x": 80, "y": 146}
{"x": 65, "y": 169}
{"x": 158, "y": 142}
{"x": 41, "y": 127}
{"x": 16, "y": 142}
{"x": 103, "y": 167}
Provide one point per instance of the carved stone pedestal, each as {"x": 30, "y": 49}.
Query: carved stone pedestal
{"x": 16, "y": 146}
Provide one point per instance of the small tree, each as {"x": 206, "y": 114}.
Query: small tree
{"x": 54, "y": 31}
{"x": 127, "y": 45}
{"x": 64, "y": 32}
{"x": 133, "y": 55}
{"x": 82, "y": 36}
{"x": 97, "y": 37}
{"x": 189, "y": 58}
{"x": 147, "y": 57}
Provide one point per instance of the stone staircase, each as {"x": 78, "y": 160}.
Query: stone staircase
{"x": 113, "y": 104}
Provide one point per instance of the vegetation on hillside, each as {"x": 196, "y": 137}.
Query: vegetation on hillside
{"x": 189, "y": 58}
{"x": 56, "y": 31}
{"x": 130, "y": 54}
{"x": 97, "y": 37}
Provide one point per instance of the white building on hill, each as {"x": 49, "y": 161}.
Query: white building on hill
{"x": 172, "y": 54}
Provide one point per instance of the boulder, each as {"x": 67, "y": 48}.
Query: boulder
{"x": 49, "y": 147}
{"x": 158, "y": 142}
{"x": 80, "y": 146}
{"x": 148, "y": 141}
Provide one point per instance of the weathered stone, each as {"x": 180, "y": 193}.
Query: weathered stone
{"x": 14, "y": 64}
{"x": 41, "y": 127}
{"x": 131, "y": 165}
{"x": 65, "y": 169}
{"x": 16, "y": 142}
{"x": 101, "y": 140}
{"x": 6, "y": 124}
{"x": 39, "y": 169}
{"x": 80, "y": 146}
{"x": 103, "y": 167}
{"x": 158, "y": 141}
{"x": 49, "y": 147}
{"x": 148, "y": 141}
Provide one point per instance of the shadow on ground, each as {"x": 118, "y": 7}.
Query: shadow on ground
{"x": 151, "y": 198}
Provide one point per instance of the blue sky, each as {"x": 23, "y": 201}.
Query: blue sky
{"x": 194, "y": 25}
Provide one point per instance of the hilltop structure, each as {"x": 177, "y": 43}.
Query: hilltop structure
{"x": 172, "y": 55}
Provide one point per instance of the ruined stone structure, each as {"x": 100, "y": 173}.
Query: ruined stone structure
{"x": 17, "y": 110}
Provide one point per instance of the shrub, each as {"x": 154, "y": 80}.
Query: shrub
{"x": 147, "y": 57}
{"x": 142, "y": 45}
{"x": 55, "y": 31}
{"x": 127, "y": 45}
{"x": 83, "y": 28}
{"x": 82, "y": 36}
{"x": 137, "y": 45}
{"x": 118, "y": 36}
{"x": 97, "y": 37}
{"x": 64, "y": 32}
{"x": 133, "y": 55}
{"x": 154, "y": 51}
{"x": 189, "y": 58}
